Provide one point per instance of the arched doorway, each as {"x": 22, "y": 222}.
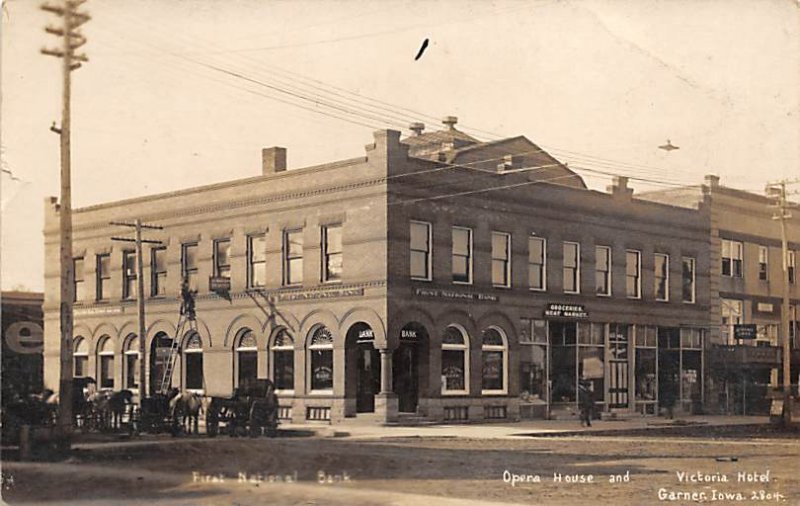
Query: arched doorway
{"x": 365, "y": 362}
{"x": 160, "y": 349}
{"x": 406, "y": 365}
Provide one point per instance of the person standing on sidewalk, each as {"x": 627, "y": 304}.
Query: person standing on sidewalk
{"x": 586, "y": 402}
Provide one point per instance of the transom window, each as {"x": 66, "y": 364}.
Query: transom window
{"x": 462, "y": 255}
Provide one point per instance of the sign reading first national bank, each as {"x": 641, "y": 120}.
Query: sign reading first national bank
{"x": 450, "y": 294}
{"x": 566, "y": 311}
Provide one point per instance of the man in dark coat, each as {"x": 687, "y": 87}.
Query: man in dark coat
{"x": 586, "y": 402}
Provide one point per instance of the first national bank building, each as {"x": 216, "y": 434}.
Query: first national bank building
{"x": 435, "y": 277}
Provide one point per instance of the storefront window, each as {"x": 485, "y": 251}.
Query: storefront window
{"x": 283, "y": 361}
{"x": 247, "y": 357}
{"x": 591, "y": 354}
{"x": 646, "y": 384}
{"x": 455, "y": 351}
{"x": 321, "y": 351}
{"x": 494, "y": 355}
{"x": 132, "y": 363}
{"x": 80, "y": 357}
{"x": 533, "y": 362}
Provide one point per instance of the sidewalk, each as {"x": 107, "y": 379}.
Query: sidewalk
{"x": 519, "y": 430}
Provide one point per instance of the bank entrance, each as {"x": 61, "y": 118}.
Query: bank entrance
{"x": 365, "y": 360}
{"x": 406, "y": 366}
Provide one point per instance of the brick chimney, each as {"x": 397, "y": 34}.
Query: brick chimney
{"x": 619, "y": 188}
{"x": 712, "y": 181}
{"x": 273, "y": 160}
{"x": 450, "y": 122}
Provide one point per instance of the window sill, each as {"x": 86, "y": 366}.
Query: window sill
{"x": 454, "y": 393}
{"x": 502, "y": 287}
{"x": 689, "y": 302}
{"x": 462, "y": 282}
{"x": 606, "y": 295}
{"x": 571, "y": 293}
{"x": 421, "y": 279}
{"x": 633, "y": 298}
{"x": 284, "y": 393}
{"x": 331, "y": 281}
{"x": 662, "y": 300}
{"x": 494, "y": 393}
{"x": 321, "y": 393}
{"x": 537, "y": 289}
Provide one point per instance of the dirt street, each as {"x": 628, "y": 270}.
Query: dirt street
{"x": 574, "y": 470}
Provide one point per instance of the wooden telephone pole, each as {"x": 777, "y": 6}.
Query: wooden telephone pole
{"x": 71, "y": 40}
{"x": 777, "y": 191}
{"x": 138, "y": 225}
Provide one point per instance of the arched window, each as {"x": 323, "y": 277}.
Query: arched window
{"x": 80, "y": 356}
{"x": 283, "y": 360}
{"x": 455, "y": 361}
{"x": 320, "y": 349}
{"x": 494, "y": 351}
{"x": 105, "y": 363}
{"x": 246, "y": 356}
{"x": 131, "y": 370}
{"x": 193, "y": 362}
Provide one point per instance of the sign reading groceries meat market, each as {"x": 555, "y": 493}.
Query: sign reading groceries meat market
{"x": 555, "y": 310}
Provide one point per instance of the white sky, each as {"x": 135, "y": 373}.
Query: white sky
{"x": 610, "y": 80}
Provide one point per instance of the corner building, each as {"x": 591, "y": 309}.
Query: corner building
{"x": 436, "y": 277}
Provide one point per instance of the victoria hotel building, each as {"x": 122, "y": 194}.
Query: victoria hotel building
{"x": 434, "y": 277}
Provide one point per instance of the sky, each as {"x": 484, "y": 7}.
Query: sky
{"x": 181, "y": 93}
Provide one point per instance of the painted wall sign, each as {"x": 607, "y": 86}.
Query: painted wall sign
{"x": 566, "y": 311}
{"x": 765, "y": 307}
{"x": 450, "y": 294}
{"x": 85, "y": 311}
{"x": 408, "y": 334}
{"x": 326, "y": 294}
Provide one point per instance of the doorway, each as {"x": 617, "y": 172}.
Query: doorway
{"x": 406, "y": 376}
{"x": 369, "y": 377}
{"x": 160, "y": 350}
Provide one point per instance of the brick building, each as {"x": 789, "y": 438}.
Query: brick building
{"x": 746, "y": 283}
{"x": 437, "y": 276}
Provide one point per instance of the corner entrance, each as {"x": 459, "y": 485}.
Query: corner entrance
{"x": 406, "y": 367}
{"x": 367, "y": 366}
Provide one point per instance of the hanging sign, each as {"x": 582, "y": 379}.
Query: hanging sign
{"x": 745, "y": 331}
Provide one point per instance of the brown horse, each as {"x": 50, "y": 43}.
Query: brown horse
{"x": 110, "y": 408}
{"x": 185, "y": 409}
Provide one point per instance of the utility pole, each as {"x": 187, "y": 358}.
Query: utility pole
{"x": 138, "y": 226}
{"x": 72, "y": 39}
{"x": 777, "y": 191}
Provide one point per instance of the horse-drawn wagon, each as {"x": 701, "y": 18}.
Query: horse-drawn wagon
{"x": 251, "y": 410}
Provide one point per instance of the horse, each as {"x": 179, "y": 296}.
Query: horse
{"x": 185, "y": 406}
{"x": 109, "y": 407}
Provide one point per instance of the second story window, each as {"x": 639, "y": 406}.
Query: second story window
{"x": 763, "y": 263}
{"x": 537, "y": 260}
{"x": 602, "y": 270}
{"x": 790, "y": 259}
{"x": 462, "y": 255}
{"x": 256, "y": 261}
{"x": 77, "y": 266}
{"x": 688, "y": 280}
{"x": 662, "y": 277}
{"x": 501, "y": 259}
{"x": 103, "y": 276}
{"x": 189, "y": 264}
{"x": 158, "y": 268}
{"x": 128, "y": 274}
{"x": 633, "y": 274}
{"x": 293, "y": 257}
{"x": 222, "y": 258}
{"x": 572, "y": 262}
{"x": 420, "y": 250}
{"x": 731, "y": 258}
{"x": 332, "y": 253}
